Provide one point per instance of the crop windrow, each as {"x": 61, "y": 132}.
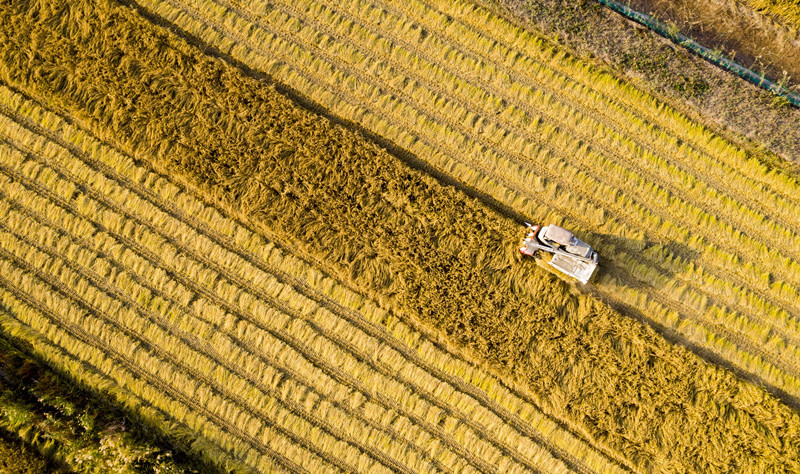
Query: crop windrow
{"x": 390, "y": 231}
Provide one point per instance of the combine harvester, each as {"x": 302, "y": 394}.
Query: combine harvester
{"x": 570, "y": 255}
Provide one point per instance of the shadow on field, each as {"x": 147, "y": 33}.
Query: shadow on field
{"x": 648, "y": 254}
{"x": 606, "y": 244}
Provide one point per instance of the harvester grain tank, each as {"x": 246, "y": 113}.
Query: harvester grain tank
{"x": 569, "y": 255}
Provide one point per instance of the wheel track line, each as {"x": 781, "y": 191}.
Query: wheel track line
{"x": 83, "y": 159}
{"x": 87, "y": 338}
{"x": 451, "y": 95}
{"x": 171, "y": 359}
{"x": 247, "y": 347}
{"x": 711, "y": 265}
{"x": 733, "y": 305}
{"x": 652, "y": 113}
{"x": 195, "y": 343}
{"x": 305, "y": 350}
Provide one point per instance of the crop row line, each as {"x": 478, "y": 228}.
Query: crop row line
{"x": 706, "y": 218}
{"x": 394, "y": 230}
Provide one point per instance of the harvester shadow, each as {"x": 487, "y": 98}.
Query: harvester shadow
{"x": 658, "y": 260}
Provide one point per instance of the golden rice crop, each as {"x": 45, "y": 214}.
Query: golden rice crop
{"x": 416, "y": 246}
{"x": 785, "y": 11}
{"x": 127, "y": 242}
{"x": 628, "y": 183}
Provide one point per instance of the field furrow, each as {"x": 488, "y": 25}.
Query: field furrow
{"x": 328, "y": 45}
{"x": 131, "y": 235}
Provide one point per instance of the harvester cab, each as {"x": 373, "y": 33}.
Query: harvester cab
{"x": 570, "y": 255}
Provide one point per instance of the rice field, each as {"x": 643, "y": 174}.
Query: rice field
{"x": 702, "y": 237}
{"x": 274, "y": 291}
{"x": 131, "y": 282}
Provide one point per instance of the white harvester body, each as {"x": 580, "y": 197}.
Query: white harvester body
{"x": 571, "y": 255}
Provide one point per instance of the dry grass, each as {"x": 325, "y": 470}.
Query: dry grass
{"x": 738, "y": 31}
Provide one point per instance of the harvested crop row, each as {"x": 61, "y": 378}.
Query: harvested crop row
{"x": 395, "y": 233}
{"x": 650, "y": 187}
{"x": 785, "y": 11}
{"x": 132, "y": 248}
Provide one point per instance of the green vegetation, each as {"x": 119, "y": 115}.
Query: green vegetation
{"x": 49, "y": 425}
{"x": 17, "y": 458}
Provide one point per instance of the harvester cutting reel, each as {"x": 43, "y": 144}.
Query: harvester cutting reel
{"x": 570, "y": 255}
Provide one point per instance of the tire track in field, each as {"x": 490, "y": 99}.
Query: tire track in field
{"x": 734, "y": 305}
{"x": 762, "y": 352}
